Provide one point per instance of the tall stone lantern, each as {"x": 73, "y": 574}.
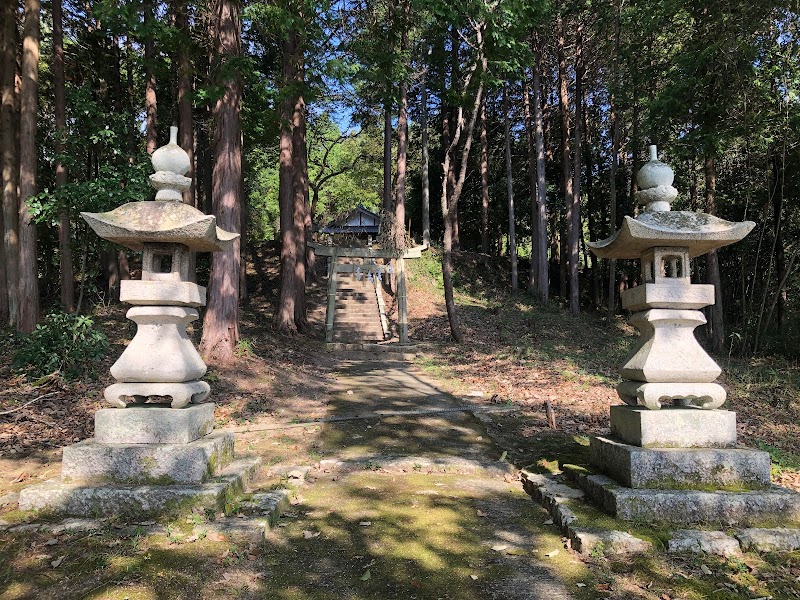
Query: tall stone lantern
{"x": 161, "y": 360}
{"x": 157, "y": 444}
{"x": 672, "y": 455}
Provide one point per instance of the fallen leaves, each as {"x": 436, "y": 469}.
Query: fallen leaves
{"x": 57, "y": 562}
{"x": 366, "y": 576}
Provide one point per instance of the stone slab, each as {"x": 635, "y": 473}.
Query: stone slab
{"x": 706, "y": 542}
{"x": 769, "y": 540}
{"x": 445, "y": 465}
{"x": 668, "y": 468}
{"x": 235, "y": 529}
{"x": 589, "y": 541}
{"x": 198, "y": 461}
{"x": 92, "y": 500}
{"x": 267, "y": 504}
{"x": 674, "y": 427}
{"x": 9, "y": 499}
{"x": 683, "y": 507}
{"x": 668, "y": 294}
{"x": 162, "y": 293}
{"x": 150, "y": 424}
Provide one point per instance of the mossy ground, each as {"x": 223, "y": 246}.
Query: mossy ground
{"x": 428, "y": 534}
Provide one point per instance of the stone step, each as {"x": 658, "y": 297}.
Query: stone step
{"x": 771, "y": 505}
{"x": 357, "y": 338}
{"x": 358, "y": 320}
{"x": 698, "y": 468}
{"x": 165, "y": 464}
{"x": 357, "y": 327}
{"x": 137, "y": 500}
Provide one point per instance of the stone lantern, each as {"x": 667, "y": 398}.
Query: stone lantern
{"x": 667, "y": 363}
{"x": 672, "y": 455}
{"x": 161, "y": 360}
{"x": 146, "y": 453}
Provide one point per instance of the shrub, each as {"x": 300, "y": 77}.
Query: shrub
{"x": 65, "y": 343}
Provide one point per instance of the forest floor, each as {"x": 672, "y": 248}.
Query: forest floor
{"x": 518, "y": 355}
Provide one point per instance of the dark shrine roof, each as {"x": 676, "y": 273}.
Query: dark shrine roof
{"x": 358, "y": 220}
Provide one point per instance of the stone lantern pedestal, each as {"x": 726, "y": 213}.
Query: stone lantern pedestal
{"x": 157, "y": 445}
{"x": 672, "y": 455}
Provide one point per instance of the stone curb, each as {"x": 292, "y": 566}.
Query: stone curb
{"x": 77, "y": 500}
{"x": 419, "y": 465}
{"x": 267, "y": 504}
{"x": 553, "y": 496}
{"x": 246, "y": 526}
{"x": 674, "y": 507}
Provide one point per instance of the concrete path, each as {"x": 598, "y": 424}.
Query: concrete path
{"x": 445, "y": 459}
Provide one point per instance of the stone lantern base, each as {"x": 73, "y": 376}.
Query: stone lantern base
{"x": 681, "y": 466}
{"x": 141, "y": 460}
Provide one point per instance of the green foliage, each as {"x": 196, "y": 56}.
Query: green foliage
{"x": 69, "y": 344}
{"x": 114, "y": 186}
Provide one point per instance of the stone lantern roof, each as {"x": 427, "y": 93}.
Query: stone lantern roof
{"x": 658, "y": 225}
{"x": 166, "y": 219}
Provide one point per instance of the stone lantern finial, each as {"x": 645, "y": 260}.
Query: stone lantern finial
{"x": 655, "y": 184}
{"x": 171, "y": 163}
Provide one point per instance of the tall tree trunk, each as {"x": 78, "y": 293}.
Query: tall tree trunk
{"x": 28, "y": 272}
{"x": 612, "y": 184}
{"x": 185, "y": 73}
{"x": 301, "y": 209}
{"x": 712, "y": 261}
{"x": 387, "y": 155}
{"x": 574, "y": 207}
{"x": 448, "y": 210}
{"x": 151, "y": 133}
{"x": 512, "y": 233}
{"x": 484, "y": 182}
{"x": 284, "y": 316}
{"x": 402, "y": 140}
{"x": 426, "y": 184}
{"x": 635, "y": 160}
{"x": 455, "y": 43}
{"x": 591, "y": 207}
{"x": 543, "y": 285}
{"x": 244, "y": 297}
{"x": 531, "y": 148}
{"x": 566, "y": 171}
{"x": 131, "y": 103}
{"x": 9, "y": 156}
{"x": 388, "y": 103}
{"x": 64, "y": 234}
{"x": 221, "y": 324}
{"x": 4, "y": 310}
{"x": 185, "y": 117}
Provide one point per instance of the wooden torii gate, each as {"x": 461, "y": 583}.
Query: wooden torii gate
{"x": 334, "y": 253}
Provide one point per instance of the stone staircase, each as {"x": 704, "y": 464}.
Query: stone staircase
{"x": 358, "y": 317}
